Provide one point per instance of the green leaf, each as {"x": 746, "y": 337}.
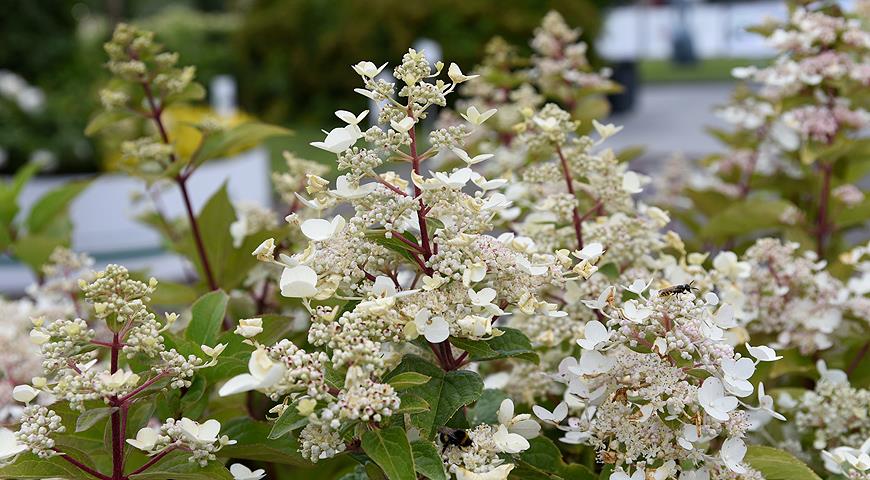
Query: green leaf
{"x": 34, "y": 250}
{"x": 486, "y": 408}
{"x": 445, "y": 392}
{"x": 404, "y": 381}
{"x": 193, "y": 91}
{"x": 90, "y": 417}
{"x": 29, "y": 466}
{"x": 206, "y": 317}
{"x": 512, "y": 343}
{"x": 214, "y": 222}
{"x": 9, "y": 192}
{"x": 254, "y": 443}
{"x": 289, "y": 421}
{"x": 177, "y": 467}
{"x": 776, "y": 464}
{"x": 413, "y": 404}
{"x": 104, "y": 119}
{"x": 52, "y": 205}
{"x": 744, "y": 217}
{"x": 389, "y": 448}
{"x": 427, "y": 460}
{"x": 235, "y": 140}
{"x": 543, "y": 459}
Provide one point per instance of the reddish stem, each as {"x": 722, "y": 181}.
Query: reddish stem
{"x": 81, "y": 466}
{"x": 575, "y": 214}
{"x": 853, "y": 365}
{"x": 117, "y": 435}
{"x": 823, "y": 226}
{"x": 151, "y": 381}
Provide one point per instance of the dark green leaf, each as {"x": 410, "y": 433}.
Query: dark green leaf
{"x": 776, "y": 464}
{"x": 512, "y": 343}
{"x": 427, "y": 460}
{"x": 486, "y": 408}
{"x": 206, "y": 318}
{"x": 90, "y": 417}
{"x": 254, "y": 443}
{"x": 389, "y": 448}
{"x": 407, "y": 380}
{"x": 445, "y": 392}
{"x": 289, "y": 421}
{"x": 177, "y": 467}
{"x": 413, "y": 404}
{"x": 29, "y": 466}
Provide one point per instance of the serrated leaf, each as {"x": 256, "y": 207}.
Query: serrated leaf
{"x": 776, "y": 464}
{"x": 512, "y": 343}
{"x": 389, "y": 448}
{"x": 206, "y": 318}
{"x": 29, "y": 466}
{"x": 445, "y": 392}
{"x": 407, "y": 380}
{"x": 90, "y": 417}
{"x": 427, "y": 460}
{"x": 412, "y": 404}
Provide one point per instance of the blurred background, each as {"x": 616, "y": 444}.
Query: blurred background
{"x": 288, "y": 62}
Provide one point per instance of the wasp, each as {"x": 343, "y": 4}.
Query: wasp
{"x": 454, "y": 436}
{"x": 684, "y": 288}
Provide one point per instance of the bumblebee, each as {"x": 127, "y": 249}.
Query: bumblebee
{"x": 684, "y": 288}
{"x": 451, "y": 436}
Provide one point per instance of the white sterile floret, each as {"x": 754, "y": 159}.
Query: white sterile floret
{"x": 298, "y": 282}
{"x": 590, "y": 252}
{"x": 763, "y": 353}
{"x": 24, "y": 393}
{"x": 241, "y": 472}
{"x": 263, "y": 373}
{"x": 472, "y": 115}
{"x": 522, "y": 424}
{"x": 9, "y": 445}
{"x": 712, "y": 398}
{"x": 595, "y": 335}
{"x": 737, "y": 374}
{"x": 434, "y": 328}
{"x": 350, "y": 118}
{"x": 556, "y": 416}
{"x": 249, "y": 327}
{"x": 508, "y": 442}
{"x": 339, "y": 139}
{"x": 318, "y": 229}
{"x": 146, "y": 439}
{"x": 732, "y": 453}
{"x": 469, "y": 160}
{"x": 631, "y": 182}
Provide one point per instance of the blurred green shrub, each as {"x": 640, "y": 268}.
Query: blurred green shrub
{"x": 291, "y": 51}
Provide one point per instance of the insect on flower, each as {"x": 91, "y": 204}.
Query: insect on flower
{"x": 683, "y": 288}
{"x": 456, "y": 437}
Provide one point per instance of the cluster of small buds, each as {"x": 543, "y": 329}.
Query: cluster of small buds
{"x": 60, "y": 341}
{"x": 147, "y": 154}
{"x": 201, "y": 441}
{"x": 835, "y": 412}
{"x": 113, "y": 292}
{"x": 641, "y": 409}
{"x": 251, "y": 218}
{"x": 178, "y": 368}
{"x": 61, "y": 276}
{"x": 778, "y": 290}
{"x": 366, "y": 401}
{"x": 318, "y": 441}
{"x": 136, "y": 58}
{"x": 38, "y": 424}
{"x": 288, "y": 183}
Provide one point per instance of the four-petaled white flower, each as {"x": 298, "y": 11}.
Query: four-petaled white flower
{"x": 262, "y": 373}
{"x": 590, "y": 252}
{"x": 119, "y": 379}
{"x": 475, "y": 326}
{"x": 595, "y": 334}
{"x": 732, "y": 452}
{"x": 763, "y": 353}
{"x": 631, "y": 182}
{"x": 737, "y": 374}
{"x": 712, "y": 398}
{"x": 765, "y": 403}
{"x": 215, "y": 351}
{"x": 146, "y": 439}
{"x": 727, "y": 264}
{"x": 241, "y": 472}
{"x": 508, "y": 442}
{"x": 249, "y": 327}
{"x": 500, "y": 472}
{"x": 483, "y": 298}
{"x": 24, "y": 393}
{"x": 206, "y": 432}
{"x": 463, "y": 155}
{"x": 339, "y": 139}
{"x": 298, "y": 282}
{"x": 457, "y": 179}
{"x": 638, "y": 286}
{"x": 601, "y": 301}
{"x": 522, "y": 424}
{"x": 606, "y": 131}
{"x": 532, "y": 269}
{"x": 456, "y": 75}
{"x": 634, "y": 312}
{"x": 345, "y": 189}
{"x": 403, "y": 125}
{"x": 349, "y": 118}
{"x": 368, "y": 69}
{"x": 485, "y": 184}
{"x": 318, "y": 229}
{"x": 556, "y": 416}
{"x": 473, "y": 115}
{"x": 434, "y": 329}
{"x": 9, "y": 446}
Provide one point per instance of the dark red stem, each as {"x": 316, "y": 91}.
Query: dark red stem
{"x": 575, "y": 214}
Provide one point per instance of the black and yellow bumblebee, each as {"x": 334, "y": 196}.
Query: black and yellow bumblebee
{"x": 674, "y": 290}
{"x": 454, "y": 436}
